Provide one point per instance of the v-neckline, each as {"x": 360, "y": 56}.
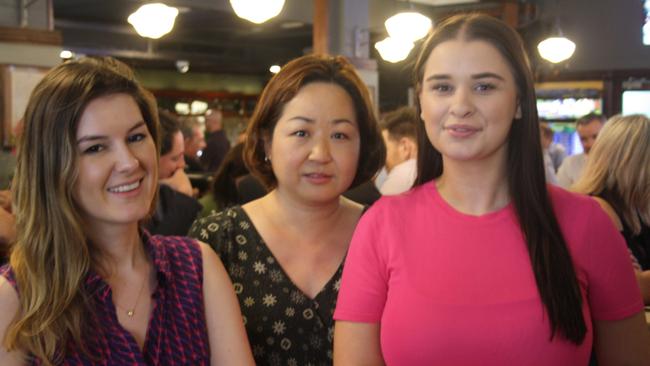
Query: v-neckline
{"x": 268, "y": 251}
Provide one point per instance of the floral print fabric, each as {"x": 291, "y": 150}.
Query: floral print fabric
{"x": 284, "y": 326}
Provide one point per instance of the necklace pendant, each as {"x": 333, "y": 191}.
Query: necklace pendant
{"x": 130, "y": 313}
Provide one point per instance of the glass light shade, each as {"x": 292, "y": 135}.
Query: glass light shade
{"x": 556, "y": 49}
{"x": 394, "y": 50}
{"x": 66, "y": 54}
{"x": 408, "y": 25}
{"x": 257, "y": 11}
{"x": 153, "y": 20}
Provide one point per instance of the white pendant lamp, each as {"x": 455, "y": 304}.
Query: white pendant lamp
{"x": 408, "y": 25}
{"x": 153, "y": 20}
{"x": 257, "y": 11}
{"x": 394, "y": 50}
{"x": 556, "y": 49}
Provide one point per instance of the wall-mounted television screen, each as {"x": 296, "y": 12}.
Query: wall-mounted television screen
{"x": 567, "y": 109}
{"x": 636, "y": 102}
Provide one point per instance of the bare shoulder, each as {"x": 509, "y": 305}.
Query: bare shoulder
{"x": 609, "y": 210}
{"x": 352, "y": 208}
{"x": 210, "y": 258}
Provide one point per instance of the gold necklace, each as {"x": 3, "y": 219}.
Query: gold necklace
{"x": 131, "y": 312}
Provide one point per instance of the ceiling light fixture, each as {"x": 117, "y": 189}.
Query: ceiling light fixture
{"x": 556, "y": 49}
{"x": 153, "y": 20}
{"x": 66, "y": 54}
{"x": 409, "y": 26}
{"x": 394, "y": 50}
{"x": 257, "y": 11}
{"x": 274, "y": 69}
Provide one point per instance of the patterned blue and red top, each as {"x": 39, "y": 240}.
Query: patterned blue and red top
{"x": 177, "y": 332}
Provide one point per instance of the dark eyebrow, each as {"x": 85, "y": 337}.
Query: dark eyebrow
{"x": 438, "y": 77}
{"x": 302, "y": 119}
{"x": 101, "y": 137}
{"x": 309, "y": 120}
{"x": 482, "y": 75}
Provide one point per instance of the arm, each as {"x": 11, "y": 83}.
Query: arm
{"x": 357, "y": 344}
{"x": 179, "y": 182}
{"x": 643, "y": 278}
{"x": 622, "y": 342}
{"x": 9, "y": 305}
{"x": 228, "y": 341}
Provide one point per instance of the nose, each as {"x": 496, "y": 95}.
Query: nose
{"x": 181, "y": 163}
{"x": 320, "y": 150}
{"x": 462, "y": 105}
{"x": 126, "y": 161}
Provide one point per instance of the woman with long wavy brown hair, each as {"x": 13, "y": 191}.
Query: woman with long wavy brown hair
{"x": 85, "y": 284}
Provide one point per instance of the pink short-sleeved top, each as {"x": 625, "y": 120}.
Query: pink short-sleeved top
{"x": 456, "y": 289}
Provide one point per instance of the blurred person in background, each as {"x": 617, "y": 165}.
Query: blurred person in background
{"x": 399, "y": 130}
{"x": 556, "y": 152}
{"x": 224, "y": 192}
{"x": 217, "y": 144}
{"x": 176, "y": 207}
{"x": 546, "y": 136}
{"x": 194, "y": 142}
{"x": 587, "y": 128}
{"x": 617, "y": 175}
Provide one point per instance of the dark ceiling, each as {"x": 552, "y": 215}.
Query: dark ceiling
{"x": 207, "y": 33}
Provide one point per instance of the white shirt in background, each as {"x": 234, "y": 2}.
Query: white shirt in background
{"x": 400, "y": 178}
{"x": 571, "y": 169}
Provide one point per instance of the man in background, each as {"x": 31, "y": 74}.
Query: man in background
{"x": 217, "y": 144}
{"x": 400, "y": 136}
{"x": 194, "y": 142}
{"x": 176, "y": 209}
{"x": 587, "y": 128}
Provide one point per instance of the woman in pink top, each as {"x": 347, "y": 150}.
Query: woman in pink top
{"x": 481, "y": 262}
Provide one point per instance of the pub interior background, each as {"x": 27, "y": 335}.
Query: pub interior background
{"x": 229, "y": 58}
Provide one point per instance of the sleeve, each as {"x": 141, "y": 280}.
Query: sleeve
{"x": 613, "y": 292}
{"x": 364, "y": 285}
{"x": 216, "y": 231}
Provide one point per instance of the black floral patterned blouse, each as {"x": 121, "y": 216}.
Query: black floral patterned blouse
{"x": 284, "y": 326}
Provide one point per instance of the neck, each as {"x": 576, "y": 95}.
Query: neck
{"x": 300, "y": 215}
{"x": 120, "y": 246}
{"x": 474, "y": 188}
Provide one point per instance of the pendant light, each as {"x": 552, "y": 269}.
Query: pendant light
{"x": 409, "y": 25}
{"x": 257, "y": 11}
{"x": 394, "y": 50}
{"x": 556, "y": 49}
{"x": 153, "y": 20}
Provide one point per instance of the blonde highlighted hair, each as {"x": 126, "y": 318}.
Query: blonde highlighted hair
{"x": 619, "y": 169}
{"x": 52, "y": 256}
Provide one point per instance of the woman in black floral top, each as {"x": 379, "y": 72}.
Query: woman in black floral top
{"x": 312, "y": 136}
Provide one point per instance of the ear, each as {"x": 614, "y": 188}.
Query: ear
{"x": 408, "y": 148}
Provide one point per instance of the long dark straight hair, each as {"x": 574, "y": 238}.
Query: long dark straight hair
{"x": 551, "y": 261}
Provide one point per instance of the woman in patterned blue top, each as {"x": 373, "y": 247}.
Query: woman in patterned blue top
{"x": 313, "y": 135}
{"x": 85, "y": 284}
